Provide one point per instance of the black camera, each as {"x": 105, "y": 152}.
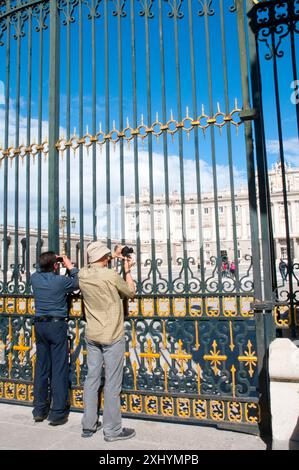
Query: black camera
{"x": 59, "y": 259}
{"x": 127, "y": 251}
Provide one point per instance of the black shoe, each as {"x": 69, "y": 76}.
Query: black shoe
{"x": 58, "y": 422}
{"x": 126, "y": 433}
{"x": 40, "y": 418}
{"x": 89, "y": 432}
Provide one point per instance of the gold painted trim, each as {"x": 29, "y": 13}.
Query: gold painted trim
{"x": 217, "y": 415}
{"x": 200, "y": 414}
{"x": 135, "y": 408}
{"x": 181, "y": 356}
{"x": 150, "y": 355}
{"x": 10, "y": 305}
{"x": 163, "y": 302}
{"x": 179, "y": 307}
{"x": 148, "y": 307}
{"x": 234, "y": 418}
{"x": 212, "y": 310}
{"x": 215, "y": 358}
{"x": 169, "y": 411}
{"x": 227, "y": 310}
{"x": 249, "y": 358}
{"x": 20, "y": 307}
{"x": 252, "y": 419}
{"x": 31, "y": 306}
{"x": 133, "y": 308}
{"x": 148, "y": 406}
{"x": 282, "y": 323}
{"x": 184, "y": 402}
{"x": 231, "y": 336}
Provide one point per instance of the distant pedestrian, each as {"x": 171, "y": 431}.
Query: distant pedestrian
{"x": 225, "y": 268}
{"x": 283, "y": 268}
{"x": 232, "y": 268}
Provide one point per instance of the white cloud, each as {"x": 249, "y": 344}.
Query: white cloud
{"x": 290, "y": 147}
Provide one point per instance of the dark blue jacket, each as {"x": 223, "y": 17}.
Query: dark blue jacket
{"x": 50, "y": 292}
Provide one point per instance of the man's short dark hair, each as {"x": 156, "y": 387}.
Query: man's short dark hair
{"x": 47, "y": 261}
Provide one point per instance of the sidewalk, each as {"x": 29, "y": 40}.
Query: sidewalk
{"x": 18, "y": 431}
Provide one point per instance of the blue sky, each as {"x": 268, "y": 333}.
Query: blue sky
{"x": 201, "y": 66}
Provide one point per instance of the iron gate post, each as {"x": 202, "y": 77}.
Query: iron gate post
{"x": 265, "y": 333}
{"x": 53, "y": 178}
{"x": 267, "y": 243}
{"x": 263, "y": 307}
{"x": 265, "y": 326}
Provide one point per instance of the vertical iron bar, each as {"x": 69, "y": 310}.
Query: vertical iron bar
{"x": 150, "y": 149}
{"x": 213, "y": 151}
{"x": 81, "y": 188}
{"x": 6, "y": 144}
{"x": 295, "y": 75}
{"x": 181, "y": 151}
{"x": 165, "y": 153}
{"x": 229, "y": 149}
{"x": 269, "y": 270}
{"x": 196, "y": 148}
{"x": 39, "y": 162}
{"x": 137, "y": 208}
{"x": 68, "y": 132}
{"x": 265, "y": 197}
{"x": 267, "y": 242}
{"x": 249, "y": 154}
{"x": 94, "y": 150}
{"x": 16, "y": 160}
{"x": 29, "y": 70}
{"x": 107, "y": 125}
{"x": 53, "y": 191}
{"x": 121, "y": 123}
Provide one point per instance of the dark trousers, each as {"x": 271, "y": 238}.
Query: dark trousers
{"x": 52, "y": 370}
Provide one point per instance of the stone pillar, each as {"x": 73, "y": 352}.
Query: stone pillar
{"x": 284, "y": 393}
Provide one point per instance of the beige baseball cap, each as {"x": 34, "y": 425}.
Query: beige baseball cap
{"x": 96, "y": 251}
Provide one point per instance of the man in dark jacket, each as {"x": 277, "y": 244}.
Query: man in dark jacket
{"x": 283, "y": 268}
{"x": 50, "y": 294}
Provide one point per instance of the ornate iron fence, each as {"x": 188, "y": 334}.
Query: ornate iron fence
{"x": 196, "y": 337}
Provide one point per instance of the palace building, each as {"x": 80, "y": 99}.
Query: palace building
{"x": 195, "y": 238}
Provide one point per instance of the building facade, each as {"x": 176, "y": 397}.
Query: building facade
{"x": 154, "y": 226}
{"x": 193, "y": 215}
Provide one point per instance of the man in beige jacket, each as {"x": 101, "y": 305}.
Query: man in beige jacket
{"x": 103, "y": 290}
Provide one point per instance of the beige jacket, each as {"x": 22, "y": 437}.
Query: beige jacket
{"x": 102, "y": 289}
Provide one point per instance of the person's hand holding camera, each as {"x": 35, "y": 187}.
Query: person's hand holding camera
{"x": 128, "y": 263}
{"x": 118, "y": 252}
{"x": 67, "y": 262}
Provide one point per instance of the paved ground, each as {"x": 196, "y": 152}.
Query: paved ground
{"x": 18, "y": 431}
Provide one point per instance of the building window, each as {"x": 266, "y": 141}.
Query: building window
{"x": 192, "y": 211}
{"x": 220, "y": 208}
{"x": 206, "y": 210}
